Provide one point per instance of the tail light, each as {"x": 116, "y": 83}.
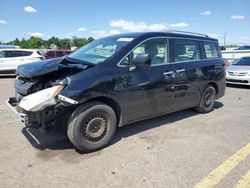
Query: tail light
{"x": 225, "y": 63}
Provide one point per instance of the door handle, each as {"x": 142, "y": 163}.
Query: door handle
{"x": 180, "y": 70}
{"x": 168, "y": 73}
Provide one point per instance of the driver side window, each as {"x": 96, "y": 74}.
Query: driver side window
{"x": 155, "y": 48}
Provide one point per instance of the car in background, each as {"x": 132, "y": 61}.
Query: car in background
{"x": 10, "y": 59}
{"x": 7, "y": 46}
{"x": 51, "y": 54}
{"x": 246, "y": 47}
{"x": 239, "y": 72}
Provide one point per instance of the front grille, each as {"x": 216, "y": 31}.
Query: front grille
{"x": 231, "y": 73}
{"x": 237, "y": 81}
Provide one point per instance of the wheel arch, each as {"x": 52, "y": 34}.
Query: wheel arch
{"x": 110, "y": 102}
{"x": 215, "y": 85}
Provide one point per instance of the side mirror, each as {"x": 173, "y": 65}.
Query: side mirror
{"x": 142, "y": 60}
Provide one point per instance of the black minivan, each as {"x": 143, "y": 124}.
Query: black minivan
{"x": 117, "y": 80}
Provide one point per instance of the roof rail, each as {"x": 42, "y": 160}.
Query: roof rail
{"x": 187, "y": 32}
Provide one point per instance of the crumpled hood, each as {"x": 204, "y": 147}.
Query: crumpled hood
{"x": 238, "y": 68}
{"x": 38, "y": 68}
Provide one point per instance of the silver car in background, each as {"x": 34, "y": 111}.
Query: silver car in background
{"x": 239, "y": 72}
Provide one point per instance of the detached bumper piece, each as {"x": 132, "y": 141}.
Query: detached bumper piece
{"x": 22, "y": 117}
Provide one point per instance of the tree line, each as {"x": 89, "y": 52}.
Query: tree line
{"x": 36, "y": 42}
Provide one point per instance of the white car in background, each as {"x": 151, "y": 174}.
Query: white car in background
{"x": 10, "y": 59}
{"x": 239, "y": 72}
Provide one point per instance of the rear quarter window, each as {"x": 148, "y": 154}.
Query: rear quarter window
{"x": 211, "y": 50}
{"x": 39, "y": 52}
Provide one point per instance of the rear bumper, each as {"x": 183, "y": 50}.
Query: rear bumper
{"x": 221, "y": 88}
{"x": 21, "y": 117}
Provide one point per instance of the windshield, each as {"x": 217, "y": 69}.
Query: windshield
{"x": 100, "y": 50}
{"x": 243, "y": 61}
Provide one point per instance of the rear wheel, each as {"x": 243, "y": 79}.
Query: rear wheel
{"x": 207, "y": 100}
{"x": 92, "y": 126}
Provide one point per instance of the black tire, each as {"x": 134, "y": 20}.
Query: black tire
{"x": 91, "y": 126}
{"x": 207, "y": 100}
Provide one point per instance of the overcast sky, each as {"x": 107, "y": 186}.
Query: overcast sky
{"x": 98, "y": 18}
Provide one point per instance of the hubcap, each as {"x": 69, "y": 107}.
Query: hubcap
{"x": 95, "y": 128}
{"x": 208, "y": 99}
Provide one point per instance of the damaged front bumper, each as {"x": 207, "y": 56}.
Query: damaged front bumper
{"x": 48, "y": 115}
{"x": 21, "y": 117}
{"x": 49, "y": 118}
{"x": 31, "y": 118}
{"x": 43, "y": 108}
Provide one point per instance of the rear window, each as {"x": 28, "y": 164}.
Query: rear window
{"x": 211, "y": 50}
{"x": 186, "y": 50}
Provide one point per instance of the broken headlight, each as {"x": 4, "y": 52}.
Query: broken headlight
{"x": 41, "y": 99}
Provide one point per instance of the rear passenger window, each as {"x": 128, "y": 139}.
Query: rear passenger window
{"x": 186, "y": 50}
{"x": 10, "y": 54}
{"x": 211, "y": 50}
{"x": 16, "y": 53}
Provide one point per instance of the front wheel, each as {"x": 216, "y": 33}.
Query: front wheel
{"x": 207, "y": 100}
{"x": 92, "y": 126}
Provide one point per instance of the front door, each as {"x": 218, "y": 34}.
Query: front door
{"x": 148, "y": 88}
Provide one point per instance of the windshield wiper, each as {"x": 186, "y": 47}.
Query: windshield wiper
{"x": 70, "y": 59}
